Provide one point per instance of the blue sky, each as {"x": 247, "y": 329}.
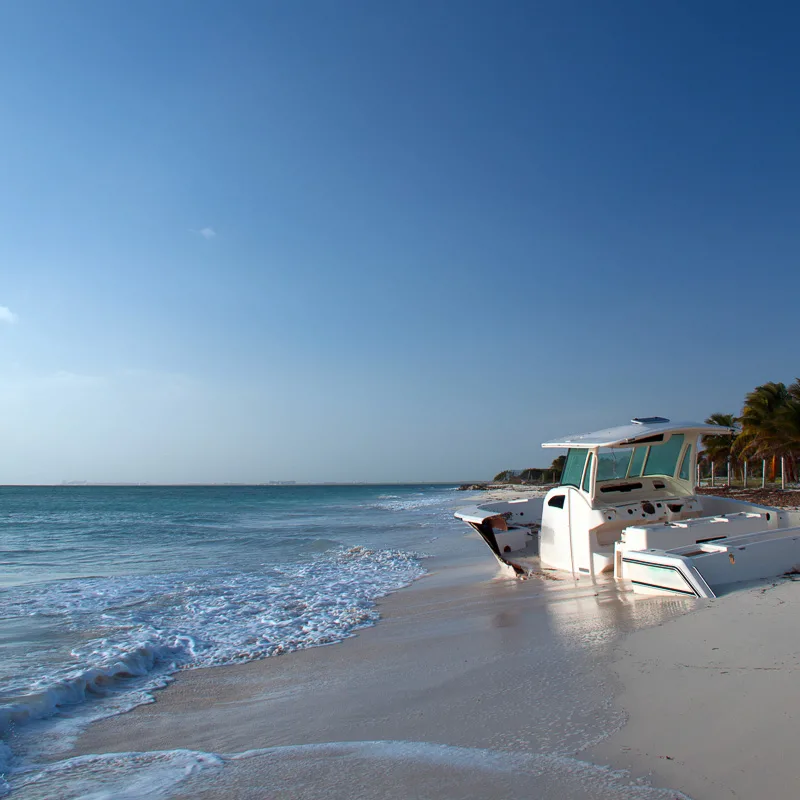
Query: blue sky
{"x": 253, "y": 241}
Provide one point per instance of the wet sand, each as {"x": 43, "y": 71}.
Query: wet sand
{"x": 469, "y": 686}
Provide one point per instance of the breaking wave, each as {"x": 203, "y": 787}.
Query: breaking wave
{"x": 141, "y": 629}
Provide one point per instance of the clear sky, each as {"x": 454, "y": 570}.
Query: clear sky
{"x": 373, "y": 240}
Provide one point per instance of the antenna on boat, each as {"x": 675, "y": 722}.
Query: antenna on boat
{"x": 649, "y": 420}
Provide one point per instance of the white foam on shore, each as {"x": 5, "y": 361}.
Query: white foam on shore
{"x": 374, "y": 769}
{"x": 114, "y": 776}
{"x": 145, "y": 627}
{"x": 404, "y": 503}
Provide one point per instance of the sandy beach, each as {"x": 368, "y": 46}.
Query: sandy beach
{"x": 477, "y": 686}
{"x": 711, "y": 698}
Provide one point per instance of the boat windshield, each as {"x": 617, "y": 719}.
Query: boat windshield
{"x": 613, "y": 463}
{"x": 617, "y": 463}
{"x": 663, "y": 458}
{"x": 573, "y": 467}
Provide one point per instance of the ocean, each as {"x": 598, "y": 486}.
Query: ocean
{"x": 106, "y": 593}
{"x": 114, "y": 600}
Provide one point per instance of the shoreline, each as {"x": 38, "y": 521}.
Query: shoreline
{"x": 464, "y": 667}
{"x": 473, "y": 684}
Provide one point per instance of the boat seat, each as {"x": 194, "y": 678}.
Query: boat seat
{"x": 669, "y": 535}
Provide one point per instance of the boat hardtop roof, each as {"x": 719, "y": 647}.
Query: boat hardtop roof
{"x": 637, "y": 430}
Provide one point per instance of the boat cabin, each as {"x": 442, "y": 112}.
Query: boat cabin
{"x": 638, "y": 473}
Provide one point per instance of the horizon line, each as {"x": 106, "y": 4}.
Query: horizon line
{"x": 270, "y": 484}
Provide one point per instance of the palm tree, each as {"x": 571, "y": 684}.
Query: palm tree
{"x": 763, "y": 422}
{"x": 719, "y": 447}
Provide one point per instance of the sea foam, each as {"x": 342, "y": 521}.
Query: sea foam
{"x": 145, "y": 627}
{"x": 372, "y": 770}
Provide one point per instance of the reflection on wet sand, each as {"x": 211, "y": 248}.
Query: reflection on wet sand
{"x": 500, "y": 669}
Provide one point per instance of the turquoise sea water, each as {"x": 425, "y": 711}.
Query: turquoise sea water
{"x": 105, "y": 592}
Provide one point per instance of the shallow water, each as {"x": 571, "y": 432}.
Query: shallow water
{"x": 106, "y": 591}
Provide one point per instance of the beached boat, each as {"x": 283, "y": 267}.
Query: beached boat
{"x": 627, "y": 505}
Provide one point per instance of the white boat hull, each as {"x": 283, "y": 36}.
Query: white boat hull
{"x": 627, "y": 503}
{"x": 708, "y": 568}
{"x": 695, "y": 556}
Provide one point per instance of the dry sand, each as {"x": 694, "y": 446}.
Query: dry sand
{"x": 712, "y": 698}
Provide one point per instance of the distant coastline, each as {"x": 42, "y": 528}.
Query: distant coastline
{"x": 121, "y": 484}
